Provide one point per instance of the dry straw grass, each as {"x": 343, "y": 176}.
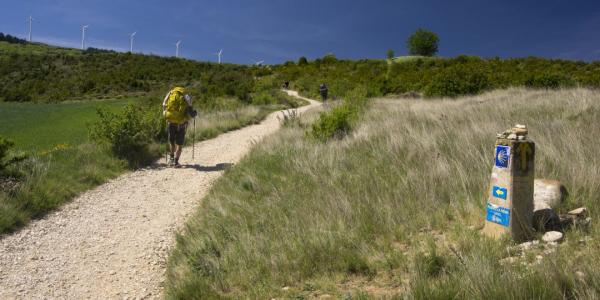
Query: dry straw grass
{"x": 386, "y": 212}
{"x": 211, "y": 124}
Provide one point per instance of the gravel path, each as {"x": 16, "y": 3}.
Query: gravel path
{"x": 112, "y": 242}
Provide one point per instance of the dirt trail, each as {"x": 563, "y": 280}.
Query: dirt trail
{"x": 112, "y": 242}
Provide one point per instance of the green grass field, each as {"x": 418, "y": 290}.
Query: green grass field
{"x": 40, "y": 127}
{"x": 391, "y": 211}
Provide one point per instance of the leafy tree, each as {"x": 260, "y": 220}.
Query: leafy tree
{"x": 11, "y": 39}
{"x": 329, "y": 58}
{"x": 302, "y": 61}
{"x": 390, "y": 54}
{"x": 423, "y": 42}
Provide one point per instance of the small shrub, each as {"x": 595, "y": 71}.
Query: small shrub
{"x": 356, "y": 265}
{"x": 263, "y": 98}
{"x": 430, "y": 264}
{"x": 548, "y": 81}
{"x": 302, "y": 61}
{"x": 457, "y": 80}
{"x": 6, "y": 159}
{"x": 130, "y": 133}
{"x": 390, "y": 54}
{"x": 333, "y": 124}
{"x": 329, "y": 59}
{"x": 337, "y": 123}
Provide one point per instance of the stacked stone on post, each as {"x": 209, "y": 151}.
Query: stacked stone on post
{"x": 509, "y": 207}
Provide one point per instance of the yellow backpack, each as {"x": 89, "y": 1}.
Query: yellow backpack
{"x": 176, "y": 110}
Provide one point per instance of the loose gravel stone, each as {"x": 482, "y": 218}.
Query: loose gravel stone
{"x": 553, "y": 237}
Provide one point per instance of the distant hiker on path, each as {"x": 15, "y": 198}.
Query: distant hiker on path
{"x": 177, "y": 109}
{"x": 323, "y": 91}
{"x": 286, "y": 85}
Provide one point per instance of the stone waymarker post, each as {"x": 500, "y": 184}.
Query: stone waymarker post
{"x": 509, "y": 208}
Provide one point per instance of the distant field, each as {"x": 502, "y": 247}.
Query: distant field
{"x": 43, "y": 126}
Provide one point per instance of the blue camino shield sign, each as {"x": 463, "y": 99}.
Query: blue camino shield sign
{"x": 498, "y": 214}
{"x": 502, "y": 156}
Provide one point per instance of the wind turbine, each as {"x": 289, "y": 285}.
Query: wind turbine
{"x": 30, "y": 26}
{"x": 83, "y": 29}
{"x": 219, "y": 54}
{"x": 177, "y": 48}
{"x": 131, "y": 41}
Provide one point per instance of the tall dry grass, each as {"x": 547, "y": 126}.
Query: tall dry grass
{"x": 212, "y": 123}
{"x": 389, "y": 210}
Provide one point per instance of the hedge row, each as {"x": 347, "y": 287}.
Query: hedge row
{"x": 462, "y": 75}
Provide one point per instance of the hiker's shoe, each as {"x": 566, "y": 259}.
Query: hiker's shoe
{"x": 176, "y": 164}
{"x": 171, "y": 161}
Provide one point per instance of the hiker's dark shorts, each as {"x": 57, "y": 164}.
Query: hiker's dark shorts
{"x": 324, "y": 95}
{"x": 177, "y": 133}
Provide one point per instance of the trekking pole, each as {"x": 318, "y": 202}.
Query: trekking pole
{"x": 167, "y": 144}
{"x": 194, "y": 140}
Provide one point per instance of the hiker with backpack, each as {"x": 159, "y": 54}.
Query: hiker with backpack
{"x": 178, "y": 110}
{"x": 323, "y": 91}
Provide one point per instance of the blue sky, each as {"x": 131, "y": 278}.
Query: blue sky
{"x": 280, "y": 30}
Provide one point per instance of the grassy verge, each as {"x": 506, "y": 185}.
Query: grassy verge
{"x": 389, "y": 210}
{"x": 70, "y": 164}
{"x": 52, "y": 178}
{"x": 212, "y": 124}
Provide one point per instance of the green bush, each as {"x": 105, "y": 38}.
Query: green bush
{"x": 6, "y": 159}
{"x": 549, "y": 81}
{"x": 11, "y": 39}
{"x": 131, "y": 133}
{"x": 457, "y": 80}
{"x": 302, "y": 61}
{"x": 333, "y": 124}
{"x": 390, "y": 54}
{"x": 337, "y": 123}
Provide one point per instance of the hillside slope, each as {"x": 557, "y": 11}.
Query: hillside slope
{"x": 42, "y": 73}
{"x": 394, "y": 208}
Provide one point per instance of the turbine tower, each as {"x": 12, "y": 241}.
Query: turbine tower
{"x": 131, "y": 41}
{"x": 30, "y": 26}
{"x": 83, "y": 29}
{"x": 219, "y": 54}
{"x": 177, "y": 48}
